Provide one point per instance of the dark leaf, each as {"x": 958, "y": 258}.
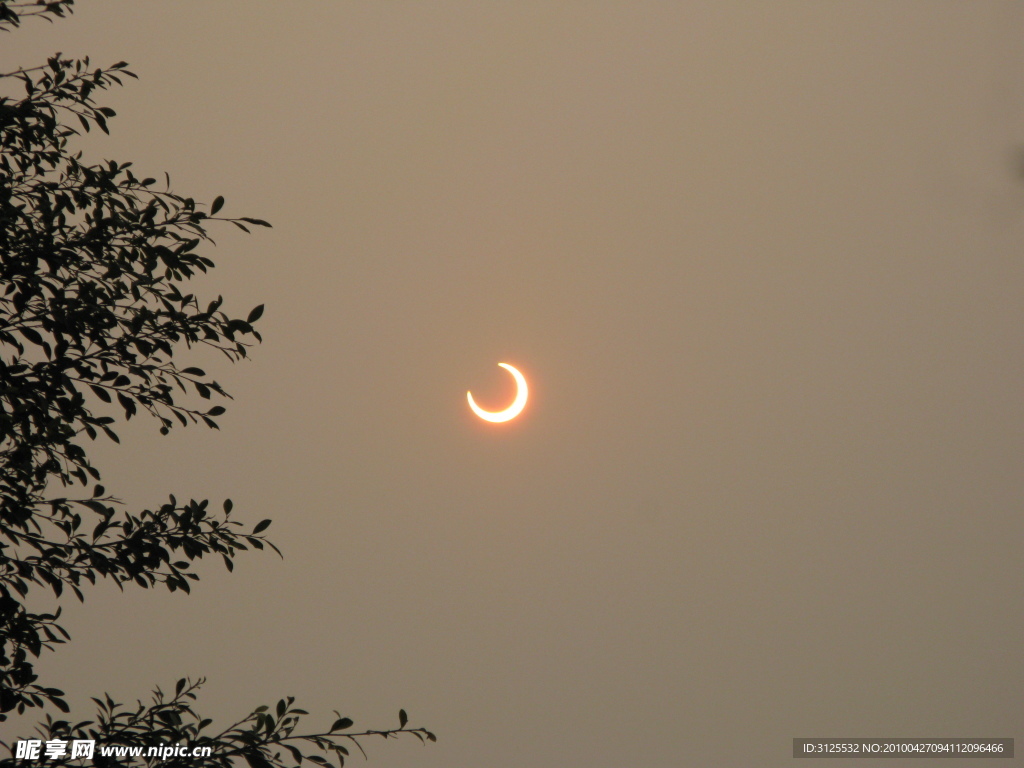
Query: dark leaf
{"x": 32, "y": 335}
{"x": 256, "y": 760}
{"x": 100, "y": 392}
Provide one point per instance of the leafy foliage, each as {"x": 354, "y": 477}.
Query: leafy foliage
{"x": 267, "y": 738}
{"x": 11, "y": 14}
{"x": 90, "y": 314}
{"x": 93, "y": 308}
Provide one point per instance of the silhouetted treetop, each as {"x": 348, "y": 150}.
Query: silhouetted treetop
{"x": 95, "y": 311}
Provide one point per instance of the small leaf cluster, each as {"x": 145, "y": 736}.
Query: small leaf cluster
{"x": 11, "y": 13}
{"x": 266, "y": 738}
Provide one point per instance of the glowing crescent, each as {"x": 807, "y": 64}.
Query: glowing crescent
{"x": 513, "y": 410}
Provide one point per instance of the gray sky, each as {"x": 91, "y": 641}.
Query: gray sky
{"x": 762, "y": 266}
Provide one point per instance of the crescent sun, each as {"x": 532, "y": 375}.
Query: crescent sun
{"x": 513, "y": 410}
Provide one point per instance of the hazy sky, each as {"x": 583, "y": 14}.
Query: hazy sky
{"x": 762, "y": 264}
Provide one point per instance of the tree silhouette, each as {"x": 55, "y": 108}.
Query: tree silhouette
{"x": 94, "y": 264}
